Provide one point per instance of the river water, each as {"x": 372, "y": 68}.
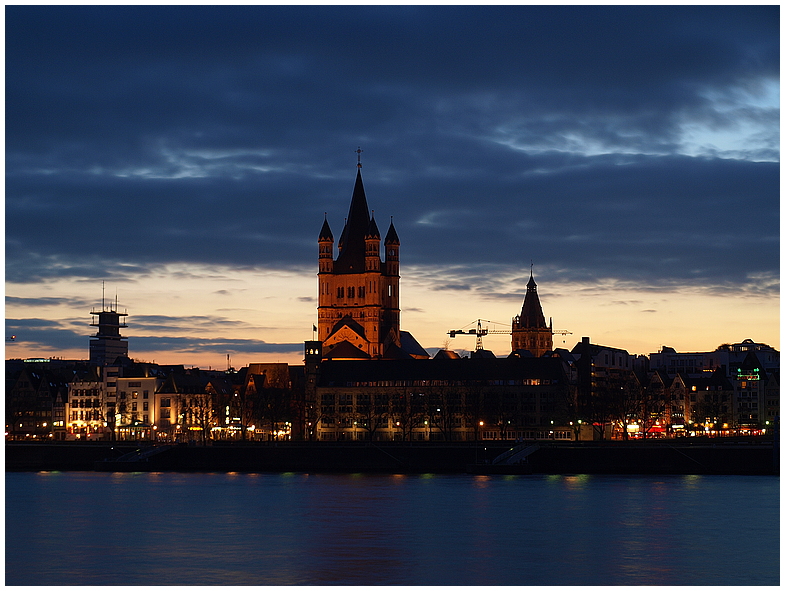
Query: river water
{"x": 86, "y": 528}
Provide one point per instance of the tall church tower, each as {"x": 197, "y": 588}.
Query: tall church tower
{"x": 529, "y": 330}
{"x": 359, "y": 310}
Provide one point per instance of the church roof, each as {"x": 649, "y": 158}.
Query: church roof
{"x": 373, "y": 230}
{"x": 352, "y": 256}
{"x": 393, "y": 351}
{"x": 349, "y": 322}
{"x": 345, "y": 350}
{"x": 410, "y": 345}
{"x": 325, "y": 233}
{"x": 531, "y": 312}
{"x": 392, "y": 235}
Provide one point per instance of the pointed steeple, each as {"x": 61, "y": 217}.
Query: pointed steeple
{"x": 352, "y": 256}
{"x": 373, "y": 229}
{"x": 326, "y": 248}
{"x": 357, "y": 285}
{"x": 531, "y": 313}
{"x": 325, "y": 235}
{"x": 392, "y": 235}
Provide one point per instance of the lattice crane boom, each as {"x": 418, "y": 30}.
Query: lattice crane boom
{"x": 481, "y": 331}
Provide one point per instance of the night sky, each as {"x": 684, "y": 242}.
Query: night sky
{"x": 186, "y": 157}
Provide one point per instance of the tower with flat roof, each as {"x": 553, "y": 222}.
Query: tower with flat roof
{"x": 108, "y": 344}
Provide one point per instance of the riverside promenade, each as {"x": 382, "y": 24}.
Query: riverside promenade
{"x": 741, "y": 455}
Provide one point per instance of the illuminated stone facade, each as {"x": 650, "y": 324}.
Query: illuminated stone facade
{"x": 359, "y": 310}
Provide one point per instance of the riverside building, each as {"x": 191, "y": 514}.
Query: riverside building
{"x": 366, "y": 379}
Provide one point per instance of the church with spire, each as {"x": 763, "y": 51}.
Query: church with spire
{"x": 359, "y": 307}
{"x": 529, "y": 330}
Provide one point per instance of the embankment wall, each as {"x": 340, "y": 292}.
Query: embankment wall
{"x": 751, "y": 456}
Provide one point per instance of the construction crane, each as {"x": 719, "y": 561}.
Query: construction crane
{"x": 479, "y": 332}
{"x": 482, "y": 331}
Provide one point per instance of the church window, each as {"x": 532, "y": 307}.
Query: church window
{"x": 350, "y": 292}
{"x": 361, "y": 292}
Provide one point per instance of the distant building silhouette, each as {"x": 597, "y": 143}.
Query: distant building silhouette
{"x": 529, "y": 331}
{"x": 365, "y": 379}
{"x": 108, "y": 344}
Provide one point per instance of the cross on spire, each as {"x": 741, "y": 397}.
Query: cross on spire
{"x": 359, "y": 151}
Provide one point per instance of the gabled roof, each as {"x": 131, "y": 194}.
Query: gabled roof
{"x": 349, "y": 322}
{"x": 751, "y": 361}
{"x": 185, "y": 383}
{"x": 717, "y": 378}
{"x": 663, "y": 376}
{"x": 393, "y": 351}
{"x": 345, "y": 350}
{"x": 446, "y": 354}
{"x": 562, "y": 353}
{"x": 220, "y": 385}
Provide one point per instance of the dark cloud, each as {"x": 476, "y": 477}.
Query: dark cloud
{"x": 218, "y": 346}
{"x": 140, "y": 136}
{"x": 48, "y": 301}
{"x": 67, "y": 335}
{"x": 46, "y": 334}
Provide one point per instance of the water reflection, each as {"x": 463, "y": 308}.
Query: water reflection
{"x": 263, "y": 529}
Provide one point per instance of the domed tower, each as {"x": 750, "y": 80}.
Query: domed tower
{"x": 529, "y": 330}
{"x": 358, "y": 293}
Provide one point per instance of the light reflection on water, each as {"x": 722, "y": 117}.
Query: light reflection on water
{"x": 85, "y": 528}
